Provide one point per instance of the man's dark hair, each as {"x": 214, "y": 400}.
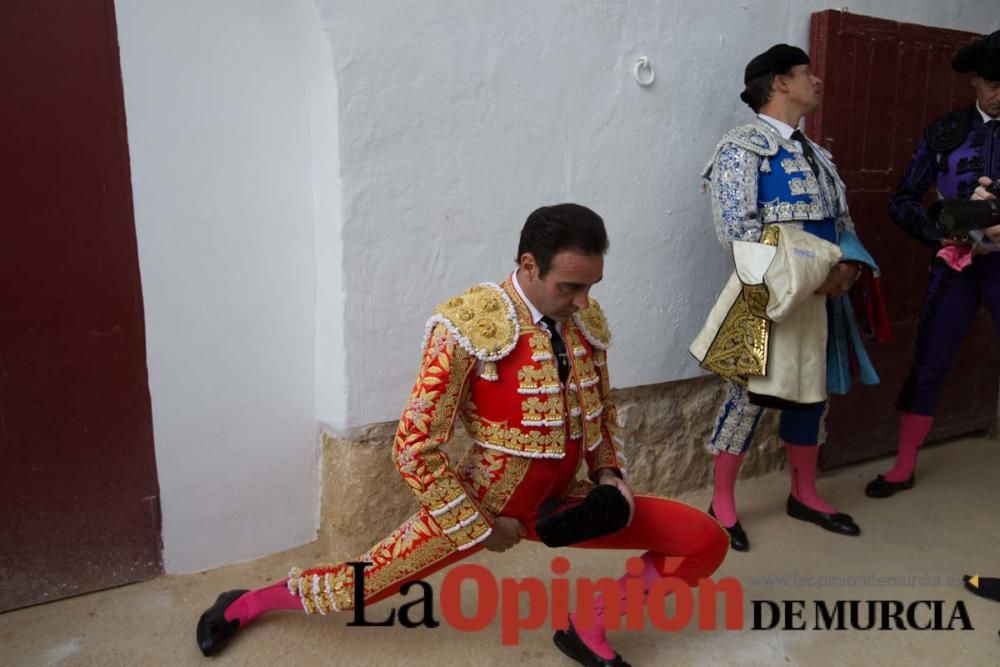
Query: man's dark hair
{"x": 758, "y": 92}
{"x": 552, "y": 229}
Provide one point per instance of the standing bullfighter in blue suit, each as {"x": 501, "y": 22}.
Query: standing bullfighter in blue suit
{"x": 767, "y": 179}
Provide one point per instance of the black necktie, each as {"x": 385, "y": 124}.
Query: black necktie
{"x": 807, "y": 151}
{"x": 992, "y": 125}
{"x": 559, "y": 347}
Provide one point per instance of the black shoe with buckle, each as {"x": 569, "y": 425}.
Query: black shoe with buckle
{"x": 214, "y": 631}
{"x": 837, "y": 522}
{"x": 880, "y": 487}
{"x": 570, "y": 643}
{"x": 738, "y": 540}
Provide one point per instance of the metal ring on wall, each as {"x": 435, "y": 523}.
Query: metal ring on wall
{"x": 642, "y": 65}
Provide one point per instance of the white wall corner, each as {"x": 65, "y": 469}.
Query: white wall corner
{"x": 331, "y": 320}
{"x": 232, "y": 120}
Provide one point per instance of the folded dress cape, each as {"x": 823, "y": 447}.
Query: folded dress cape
{"x": 768, "y": 328}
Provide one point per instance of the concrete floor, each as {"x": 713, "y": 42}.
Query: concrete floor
{"x": 920, "y": 542}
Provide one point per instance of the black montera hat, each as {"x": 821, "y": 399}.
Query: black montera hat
{"x": 981, "y": 57}
{"x": 776, "y": 60}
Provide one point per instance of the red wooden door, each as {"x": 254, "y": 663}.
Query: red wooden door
{"x": 79, "y": 500}
{"x": 883, "y": 82}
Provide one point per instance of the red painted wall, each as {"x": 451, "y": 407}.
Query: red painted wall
{"x": 79, "y": 500}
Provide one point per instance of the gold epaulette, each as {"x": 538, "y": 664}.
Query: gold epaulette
{"x": 594, "y": 325}
{"x": 482, "y": 320}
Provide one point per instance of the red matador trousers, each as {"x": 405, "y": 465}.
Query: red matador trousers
{"x": 517, "y": 486}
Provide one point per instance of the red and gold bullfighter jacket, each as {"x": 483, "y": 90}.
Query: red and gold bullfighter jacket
{"x": 486, "y": 363}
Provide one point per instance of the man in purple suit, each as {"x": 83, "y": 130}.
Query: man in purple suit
{"x": 959, "y": 154}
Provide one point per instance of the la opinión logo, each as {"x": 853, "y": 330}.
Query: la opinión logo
{"x": 528, "y": 603}
{"x": 549, "y": 601}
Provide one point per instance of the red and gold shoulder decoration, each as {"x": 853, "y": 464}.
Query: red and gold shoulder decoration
{"x": 594, "y": 325}
{"x": 482, "y": 321}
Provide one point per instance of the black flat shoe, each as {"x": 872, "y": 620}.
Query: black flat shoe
{"x": 987, "y": 587}
{"x": 570, "y": 643}
{"x": 880, "y": 487}
{"x": 835, "y": 523}
{"x": 738, "y": 540}
{"x": 214, "y": 631}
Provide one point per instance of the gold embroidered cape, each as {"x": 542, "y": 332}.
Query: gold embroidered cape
{"x": 755, "y": 331}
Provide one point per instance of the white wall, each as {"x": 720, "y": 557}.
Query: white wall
{"x": 231, "y": 109}
{"x": 312, "y": 176}
{"x": 459, "y": 118}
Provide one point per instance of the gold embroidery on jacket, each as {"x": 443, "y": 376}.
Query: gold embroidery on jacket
{"x": 594, "y": 325}
{"x": 542, "y": 379}
{"x": 536, "y": 411}
{"x": 414, "y": 546}
{"x": 575, "y": 428}
{"x": 482, "y": 317}
{"x": 493, "y": 476}
{"x": 516, "y": 439}
{"x": 540, "y": 344}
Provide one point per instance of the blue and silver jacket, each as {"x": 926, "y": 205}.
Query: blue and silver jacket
{"x": 756, "y": 178}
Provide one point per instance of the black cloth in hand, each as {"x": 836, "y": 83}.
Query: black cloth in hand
{"x": 603, "y": 511}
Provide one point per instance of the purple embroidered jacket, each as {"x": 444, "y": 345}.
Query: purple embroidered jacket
{"x": 952, "y": 154}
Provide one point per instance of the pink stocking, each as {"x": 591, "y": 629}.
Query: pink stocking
{"x": 252, "y": 604}
{"x": 595, "y": 637}
{"x": 726, "y": 467}
{"x": 802, "y": 469}
{"x": 913, "y": 429}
